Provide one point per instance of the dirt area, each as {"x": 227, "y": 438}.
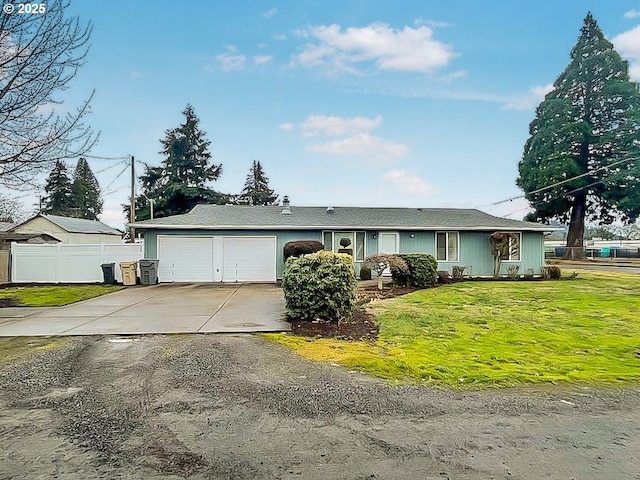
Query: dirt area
{"x": 361, "y": 326}
{"x": 239, "y": 407}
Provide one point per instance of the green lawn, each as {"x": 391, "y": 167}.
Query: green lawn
{"x": 54, "y": 295}
{"x": 478, "y": 334}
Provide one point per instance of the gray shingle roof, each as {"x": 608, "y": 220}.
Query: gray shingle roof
{"x": 81, "y": 225}
{"x": 271, "y": 217}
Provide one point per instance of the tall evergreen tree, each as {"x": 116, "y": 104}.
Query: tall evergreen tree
{"x": 86, "y": 192}
{"x": 256, "y": 189}
{"x": 587, "y": 129}
{"x": 181, "y": 181}
{"x": 59, "y": 199}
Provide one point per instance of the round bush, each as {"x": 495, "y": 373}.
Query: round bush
{"x": 365, "y": 273}
{"x": 320, "y": 285}
{"x": 423, "y": 270}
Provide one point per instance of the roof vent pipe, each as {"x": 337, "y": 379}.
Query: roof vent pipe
{"x": 330, "y": 210}
{"x": 285, "y": 206}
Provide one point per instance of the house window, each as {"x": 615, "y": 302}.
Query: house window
{"x": 447, "y": 246}
{"x": 513, "y": 255}
{"x": 331, "y": 242}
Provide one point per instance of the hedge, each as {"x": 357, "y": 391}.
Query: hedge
{"x": 320, "y": 285}
{"x": 297, "y": 248}
{"x": 423, "y": 270}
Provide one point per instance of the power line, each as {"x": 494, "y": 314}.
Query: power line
{"x": 565, "y": 181}
{"x": 117, "y": 177}
{"x": 128, "y": 157}
{"x": 111, "y": 166}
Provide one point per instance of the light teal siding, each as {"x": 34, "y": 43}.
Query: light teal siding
{"x": 475, "y": 254}
{"x": 282, "y": 237}
{"x": 422, "y": 242}
{"x": 475, "y": 250}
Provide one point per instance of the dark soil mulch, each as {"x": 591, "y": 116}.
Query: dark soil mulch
{"x": 361, "y": 326}
{"x": 9, "y": 302}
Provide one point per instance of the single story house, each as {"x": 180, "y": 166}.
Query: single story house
{"x": 69, "y": 230}
{"x": 239, "y": 243}
{"x": 7, "y": 238}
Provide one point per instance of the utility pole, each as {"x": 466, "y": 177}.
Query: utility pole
{"x": 132, "y": 206}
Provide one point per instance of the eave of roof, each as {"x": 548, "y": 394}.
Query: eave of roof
{"x": 156, "y": 226}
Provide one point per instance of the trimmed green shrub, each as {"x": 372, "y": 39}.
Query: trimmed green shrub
{"x": 423, "y": 270}
{"x": 297, "y": 248}
{"x": 365, "y": 273}
{"x": 320, "y": 285}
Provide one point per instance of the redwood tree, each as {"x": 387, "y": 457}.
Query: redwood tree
{"x": 580, "y": 160}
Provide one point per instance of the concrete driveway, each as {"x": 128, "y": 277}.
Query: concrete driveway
{"x": 175, "y": 308}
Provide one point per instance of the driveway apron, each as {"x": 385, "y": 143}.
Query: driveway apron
{"x": 176, "y": 308}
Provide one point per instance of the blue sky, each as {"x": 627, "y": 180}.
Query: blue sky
{"x": 374, "y": 103}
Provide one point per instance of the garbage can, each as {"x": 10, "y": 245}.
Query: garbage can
{"x": 128, "y": 270}
{"x": 109, "y": 273}
{"x": 148, "y": 271}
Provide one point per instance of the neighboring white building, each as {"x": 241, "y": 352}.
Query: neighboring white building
{"x": 70, "y": 230}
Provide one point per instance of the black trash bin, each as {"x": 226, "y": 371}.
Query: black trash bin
{"x": 109, "y": 273}
{"x": 148, "y": 271}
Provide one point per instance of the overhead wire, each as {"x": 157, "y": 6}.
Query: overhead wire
{"x": 111, "y": 166}
{"x": 548, "y": 187}
{"x": 116, "y": 178}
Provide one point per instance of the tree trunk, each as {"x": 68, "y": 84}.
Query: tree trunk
{"x": 575, "y": 237}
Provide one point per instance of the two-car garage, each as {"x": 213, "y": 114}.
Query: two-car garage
{"x": 185, "y": 258}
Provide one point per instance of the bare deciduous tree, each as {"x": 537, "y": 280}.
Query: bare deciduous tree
{"x": 11, "y": 209}
{"x": 39, "y": 55}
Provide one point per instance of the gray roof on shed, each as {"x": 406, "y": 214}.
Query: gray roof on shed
{"x": 220, "y": 217}
{"x": 81, "y": 225}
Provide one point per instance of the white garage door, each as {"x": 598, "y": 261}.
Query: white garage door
{"x": 185, "y": 259}
{"x": 249, "y": 259}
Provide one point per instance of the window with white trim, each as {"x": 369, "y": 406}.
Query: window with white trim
{"x": 513, "y": 255}
{"x": 447, "y": 246}
{"x": 331, "y": 242}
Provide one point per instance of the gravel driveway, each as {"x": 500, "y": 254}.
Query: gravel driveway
{"x": 239, "y": 407}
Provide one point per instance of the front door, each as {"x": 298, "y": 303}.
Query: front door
{"x": 389, "y": 243}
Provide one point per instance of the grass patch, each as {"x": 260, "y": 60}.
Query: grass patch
{"x": 17, "y": 348}
{"x": 479, "y": 334}
{"x": 54, "y": 295}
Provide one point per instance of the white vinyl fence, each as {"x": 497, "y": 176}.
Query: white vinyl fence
{"x": 68, "y": 263}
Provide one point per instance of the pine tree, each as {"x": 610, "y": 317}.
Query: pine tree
{"x": 180, "y": 182}
{"x": 586, "y": 129}
{"x": 59, "y": 200}
{"x": 256, "y": 189}
{"x": 86, "y": 192}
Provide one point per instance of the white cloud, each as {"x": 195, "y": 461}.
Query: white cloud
{"x": 50, "y": 107}
{"x": 338, "y": 126}
{"x": 231, "y": 62}
{"x": 628, "y": 44}
{"x": 286, "y": 127}
{"x": 262, "y": 59}
{"x": 407, "y": 182}
{"x": 408, "y": 50}
{"x": 270, "y": 13}
{"x": 632, "y": 14}
{"x": 279, "y": 37}
{"x": 432, "y": 23}
{"x": 541, "y": 91}
{"x": 531, "y": 99}
{"x": 450, "y": 77}
{"x": 363, "y": 145}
